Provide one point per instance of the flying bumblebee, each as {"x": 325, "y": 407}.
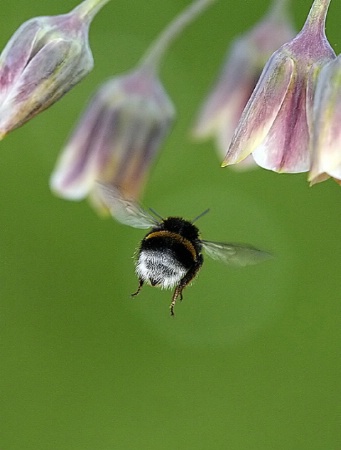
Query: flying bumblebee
{"x": 170, "y": 254}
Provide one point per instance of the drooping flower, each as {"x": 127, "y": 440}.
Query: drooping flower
{"x": 276, "y": 123}
{"x": 121, "y": 131}
{"x": 244, "y": 63}
{"x": 326, "y": 140}
{"x": 42, "y": 61}
{"x": 116, "y": 139}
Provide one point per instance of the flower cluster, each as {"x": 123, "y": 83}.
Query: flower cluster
{"x": 123, "y": 128}
{"x": 290, "y": 123}
{"x": 277, "y": 101}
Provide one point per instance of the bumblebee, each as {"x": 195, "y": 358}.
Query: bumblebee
{"x": 170, "y": 255}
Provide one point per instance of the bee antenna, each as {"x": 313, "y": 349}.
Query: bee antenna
{"x": 200, "y": 215}
{"x": 155, "y": 213}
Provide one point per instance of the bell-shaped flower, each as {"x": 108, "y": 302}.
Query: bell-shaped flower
{"x": 42, "y": 61}
{"x": 326, "y": 140}
{"x": 276, "y": 123}
{"x": 244, "y": 63}
{"x": 116, "y": 139}
{"x": 123, "y": 128}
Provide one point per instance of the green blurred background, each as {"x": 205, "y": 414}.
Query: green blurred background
{"x": 252, "y": 358}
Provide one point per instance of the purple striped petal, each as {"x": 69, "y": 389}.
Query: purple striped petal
{"x": 117, "y": 138}
{"x": 326, "y": 142}
{"x": 262, "y": 108}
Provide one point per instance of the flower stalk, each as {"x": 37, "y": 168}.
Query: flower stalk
{"x": 154, "y": 54}
{"x": 88, "y": 9}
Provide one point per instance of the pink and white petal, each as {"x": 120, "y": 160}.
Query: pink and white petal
{"x": 235, "y": 79}
{"x": 35, "y": 90}
{"x": 17, "y": 53}
{"x": 312, "y": 79}
{"x": 52, "y": 72}
{"x": 81, "y": 161}
{"x": 262, "y": 108}
{"x": 229, "y": 118}
{"x": 326, "y": 146}
{"x": 286, "y": 146}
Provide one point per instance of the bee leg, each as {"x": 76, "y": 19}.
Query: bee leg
{"x": 134, "y": 294}
{"x": 184, "y": 282}
{"x": 177, "y": 293}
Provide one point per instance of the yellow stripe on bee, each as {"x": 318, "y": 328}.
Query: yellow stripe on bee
{"x": 177, "y": 237}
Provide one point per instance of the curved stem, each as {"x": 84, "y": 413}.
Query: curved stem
{"x": 89, "y": 8}
{"x": 152, "y": 57}
{"x": 317, "y": 16}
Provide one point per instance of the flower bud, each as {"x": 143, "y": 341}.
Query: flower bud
{"x": 42, "y": 61}
{"x": 116, "y": 139}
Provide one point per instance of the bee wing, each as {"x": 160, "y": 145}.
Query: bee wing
{"x": 235, "y": 254}
{"x": 124, "y": 210}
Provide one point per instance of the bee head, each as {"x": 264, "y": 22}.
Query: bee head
{"x": 181, "y": 226}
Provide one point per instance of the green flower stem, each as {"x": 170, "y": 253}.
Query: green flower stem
{"x": 89, "y": 8}
{"x": 151, "y": 59}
